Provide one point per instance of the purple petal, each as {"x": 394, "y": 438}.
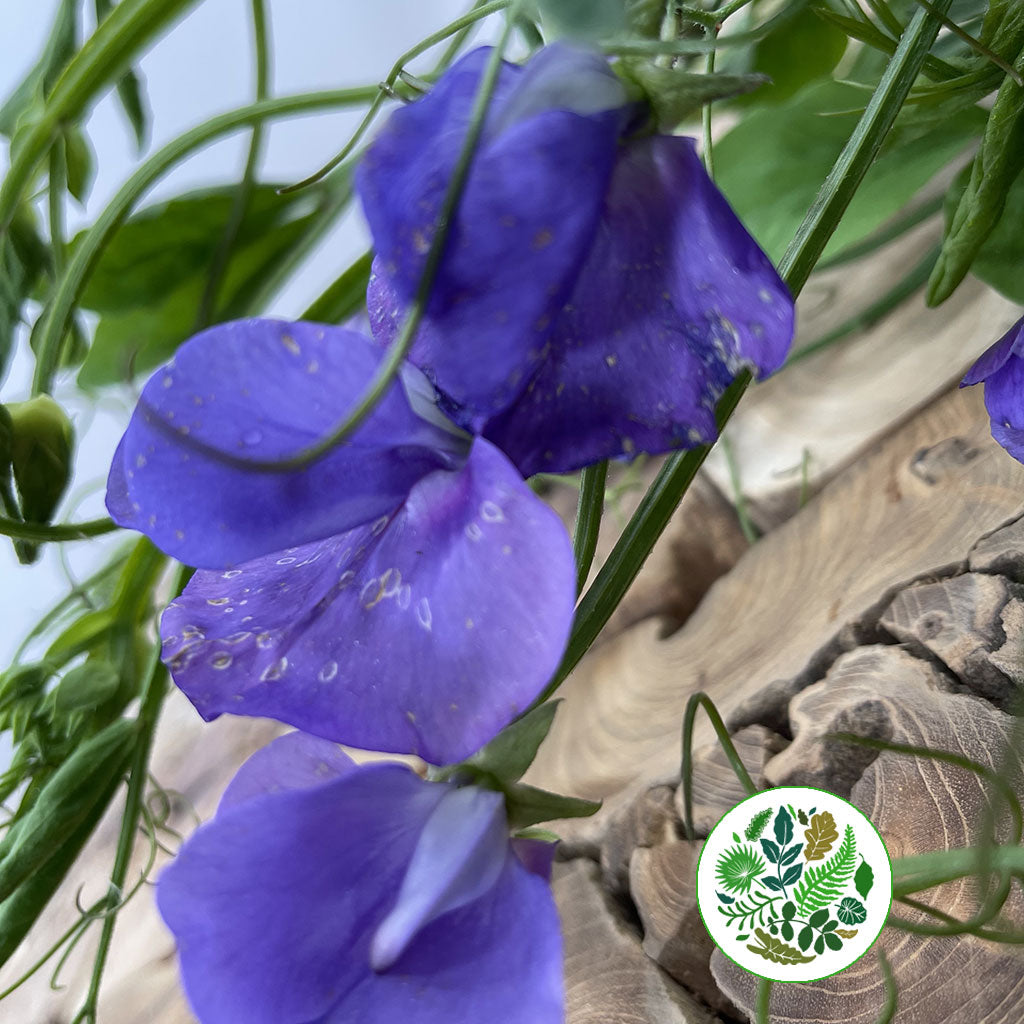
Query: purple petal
{"x": 496, "y": 959}
{"x": 264, "y": 390}
{"x": 273, "y": 902}
{"x": 424, "y": 634}
{"x": 293, "y": 761}
{"x": 1010, "y": 344}
{"x": 526, "y": 219}
{"x": 536, "y": 855}
{"x": 674, "y": 300}
{"x": 1004, "y": 399}
{"x": 458, "y": 858}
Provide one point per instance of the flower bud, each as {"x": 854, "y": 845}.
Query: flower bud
{"x": 41, "y": 446}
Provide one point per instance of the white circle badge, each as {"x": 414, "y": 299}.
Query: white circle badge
{"x": 794, "y": 884}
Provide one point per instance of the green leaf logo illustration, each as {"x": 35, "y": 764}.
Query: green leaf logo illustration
{"x": 776, "y": 950}
{"x": 757, "y": 824}
{"x": 738, "y": 867}
{"x": 824, "y": 884}
{"x": 821, "y": 836}
{"x": 851, "y": 911}
{"x": 864, "y": 879}
{"x": 783, "y": 827}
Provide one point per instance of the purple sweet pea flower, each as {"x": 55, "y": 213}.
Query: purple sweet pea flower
{"x": 324, "y": 893}
{"x": 597, "y": 294}
{"x": 406, "y": 592}
{"x": 1002, "y": 370}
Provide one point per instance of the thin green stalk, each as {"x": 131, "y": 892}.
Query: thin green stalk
{"x": 457, "y": 27}
{"x": 697, "y": 701}
{"x": 861, "y": 149}
{"x": 739, "y": 501}
{"x": 387, "y": 369}
{"x": 705, "y": 114}
{"x": 656, "y": 509}
{"x": 975, "y": 44}
{"x": 888, "y": 1011}
{"x": 764, "y": 1001}
{"x": 96, "y": 238}
{"x": 243, "y": 196}
{"x": 40, "y": 532}
{"x": 588, "y": 520}
{"x": 152, "y": 699}
{"x": 896, "y": 296}
{"x": 56, "y": 187}
{"x": 120, "y": 35}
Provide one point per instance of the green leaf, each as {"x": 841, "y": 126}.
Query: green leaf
{"x": 851, "y": 911}
{"x": 864, "y": 879}
{"x": 23, "y": 258}
{"x": 345, "y": 296}
{"x": 675, "y": 95}
{"x": 833, "y": 941}
{"x": 68, "y": 800}
{"x": 823, "y": 884}
{"x": 758, "y": 823}
{"x": 802, "y": 49}
{"x": 81, "y": 167}
{"x": 786, "y": 930}
{"x": 792, "y": 874}
{"x": 149, "y": 282}
{"x": 1001, "y": 256}
{"x": 527, "y": 805}
{"x": 805, "y": 937}
{"x": 776, "y": 950}
{"x": 583, "y": 19}
{"x": 819, "y": 944}
{"x": 644, "y": 18}
{"x": 996, "y": 167}
{"x": 783, "y": 828}
{"x": 512, "y": 751}
{"x": 27, "y": 98}
{"x": 818, "y": 918}
{"x": 789, "y": 910}
{"x": 86, "y": 686}
{"x": 798, "y": 143}
{"x": 129, "y": 90}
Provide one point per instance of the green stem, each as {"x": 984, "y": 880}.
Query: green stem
{"x": 152, "y": 699}
{"x": 739, "y": 501}
{"x": 87, "y": 252}
{"x": 388, "y": 368}
{"x": 40, "y": 532}
{"x": 106, "y": 52}
{"x": 57, "y": 184}
{"x": 697, "y": 701}
{"x": 888, "y": 1011}
{"x": 764, "y": 1001}
{"x": 455, "y": 28}
{"x": 658, "y": 505}
{"x": 243, "y": 197}
{"x": 588, "y": 520}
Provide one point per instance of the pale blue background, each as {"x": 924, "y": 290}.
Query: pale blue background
{"x": 203, "y": 66}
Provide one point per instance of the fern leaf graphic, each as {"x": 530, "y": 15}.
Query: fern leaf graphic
{"x": 824, "y": 884}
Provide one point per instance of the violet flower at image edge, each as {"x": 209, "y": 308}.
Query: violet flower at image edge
{"x": 323, "y": 893}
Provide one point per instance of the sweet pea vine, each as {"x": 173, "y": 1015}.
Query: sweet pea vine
{"x": 406, "y": 592}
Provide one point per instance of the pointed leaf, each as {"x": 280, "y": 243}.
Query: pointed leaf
{"x": 864, "y": 879}
{"x": 783, "y": 827}
{"x": 792, "y": 874}
{"x": 771, "y": 851}
{"x": 791, "y": 854}
{"x": 805, "y": 937}
{"x": 528, "y": 805}
{"x": 512, "y": 751}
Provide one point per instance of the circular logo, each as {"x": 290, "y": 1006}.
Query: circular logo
{"x": 794, "y": 884}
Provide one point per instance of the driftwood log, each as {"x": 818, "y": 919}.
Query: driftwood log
{"x": 891, "y": 604}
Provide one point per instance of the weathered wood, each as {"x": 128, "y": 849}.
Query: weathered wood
{"x": 918, "y": 804}
{"x": 609, "y": 980}
{"x": 715, "y": 785}
{"x": 835, "y": 404}
{"x": 910, "y": 510}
